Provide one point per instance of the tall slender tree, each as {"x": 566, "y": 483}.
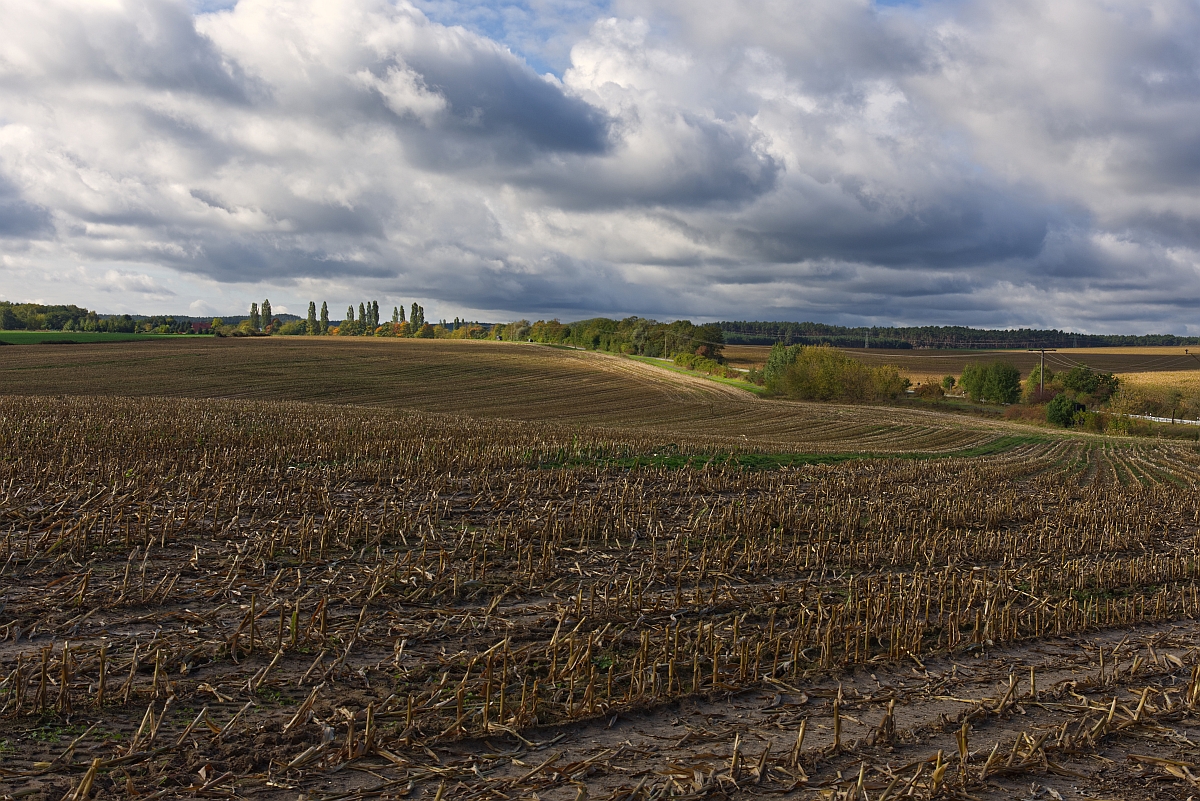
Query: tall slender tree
{"x": 255, "y": 320}
{"x": 375, "y": 313}
{"x": 350, "y": 314}
{"x": 266, "y": 313}
{"x": 310, "y": 327}
{"x": 324, "y": 317}
{"x": 395, "y": 315}
{"x": 362, "y": 316}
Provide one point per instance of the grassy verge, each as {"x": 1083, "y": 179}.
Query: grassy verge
{"x": 668, "y": 365}
{"x": 73, "y": 337}
{"x": 776, "y": 461}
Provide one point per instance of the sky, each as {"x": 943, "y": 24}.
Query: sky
{"x": 954, "y": 162}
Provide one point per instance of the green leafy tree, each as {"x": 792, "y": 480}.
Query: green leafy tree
{"x": 349, "y": 314}
{"x": 292, "y": 328}
{"x": 1082, "y": 380}
{"x": 255, "y": 321}
{"x": 948, "y": 383}
{"x": 362, "y": 314}
{"x": 324, "y": 318}
{"x": 266, "y": 314}
{"x": 395, "y": 315}
{"x": 1062, "y": 409}
{"x": 311, "y": 327}
{"x": 997, "y": 382}
{"x": 1003, "y": 382}
{"x": 778, "y": 361}
{"x": 708, "y": 341}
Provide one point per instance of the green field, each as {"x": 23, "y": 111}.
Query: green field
{"x": 72, "y": 337}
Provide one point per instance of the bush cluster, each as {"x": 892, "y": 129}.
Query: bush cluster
{"x": 701, "y": 364}
{"x": 808, "y": 372}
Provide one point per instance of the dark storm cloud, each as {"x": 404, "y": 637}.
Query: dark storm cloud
{"x": 251, "y": 259}
{"x": 490, "y": 93}
{"x": 963, "y": 230}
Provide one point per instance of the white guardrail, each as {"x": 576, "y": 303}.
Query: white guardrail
{"x": 1177, "y": 421}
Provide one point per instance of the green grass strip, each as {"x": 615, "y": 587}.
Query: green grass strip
{"x": 669, "y": 365}
{"x": 74, "y": 337}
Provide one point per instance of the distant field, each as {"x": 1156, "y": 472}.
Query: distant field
{"x": 484, "y": 379}
{"x": 72, "y": 337}
{"x": 1184, "y": 380}
{"x": 931, "y": 365}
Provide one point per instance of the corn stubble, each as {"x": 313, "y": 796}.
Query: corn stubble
{"x": 247, "y": 597}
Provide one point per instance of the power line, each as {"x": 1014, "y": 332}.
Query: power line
{"x": 1042, "y": 371}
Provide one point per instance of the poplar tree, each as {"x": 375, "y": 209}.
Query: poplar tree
{"x": 375, "y": 312}
{"x": 362, "y": 316}
{"x": 395, "y": 315}
{"x": 255, "y": 320}
{"x": 324, "y": 317}
{"x": 349, "y": 314}
{"x": 311, "y": 327}
{"x": 266, "y": 313}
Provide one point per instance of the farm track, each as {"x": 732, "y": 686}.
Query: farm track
{"x": 256, "y": 597}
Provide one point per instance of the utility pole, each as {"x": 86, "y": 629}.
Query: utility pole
{"x": 1042, "y": 371}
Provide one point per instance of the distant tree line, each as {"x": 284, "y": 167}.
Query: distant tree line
{"x": 635, "y": 336}
{"x": 40, "y": 317}
{"x": 366, "y": 321}
{"x": 930, "y": 336}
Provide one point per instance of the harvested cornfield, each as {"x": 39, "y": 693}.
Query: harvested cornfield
{"x": 235, "y": 598}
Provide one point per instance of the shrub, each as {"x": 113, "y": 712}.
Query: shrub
{"x": 1032, "y": 414}
{"x": 1061, "y": 411}
{"x": 700, "y": 364}
{"x": 825, "y": 373}
{"x": 293, "y": 328}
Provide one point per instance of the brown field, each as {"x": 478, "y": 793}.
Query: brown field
{"x": 369, "y": 597}
{"x": 922, "y": 366}
{"x": 524, "y": 382}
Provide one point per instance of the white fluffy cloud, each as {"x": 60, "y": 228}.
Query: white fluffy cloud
{"x": 960, "y": 162}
